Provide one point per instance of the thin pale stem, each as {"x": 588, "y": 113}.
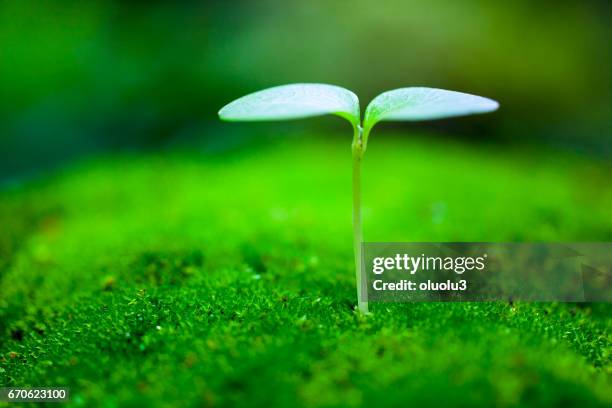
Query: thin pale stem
{"x": 358, "y": 150}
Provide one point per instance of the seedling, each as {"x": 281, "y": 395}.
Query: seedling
{"x": 305, "y": 100}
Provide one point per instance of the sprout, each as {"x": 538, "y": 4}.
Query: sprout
{"x": 305, "y": 100}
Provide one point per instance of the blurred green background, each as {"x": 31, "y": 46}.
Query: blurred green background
{"x": 80, "y": 77}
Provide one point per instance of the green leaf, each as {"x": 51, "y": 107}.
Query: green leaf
{"x": 292, "y": 102}
{"x": 415, "y": 104}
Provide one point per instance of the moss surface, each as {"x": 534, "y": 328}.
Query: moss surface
{"x": 228, "y": 279}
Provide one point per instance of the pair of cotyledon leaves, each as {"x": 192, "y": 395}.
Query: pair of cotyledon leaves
{"x": 305, "y": 100}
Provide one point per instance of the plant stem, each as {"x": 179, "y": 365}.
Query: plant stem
{"x": 357, "y": 150}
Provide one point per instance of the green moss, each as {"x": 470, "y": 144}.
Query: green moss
{"x": 228, "y": 279}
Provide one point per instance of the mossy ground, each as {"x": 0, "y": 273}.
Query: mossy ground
{"x": 228, "y": 279}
